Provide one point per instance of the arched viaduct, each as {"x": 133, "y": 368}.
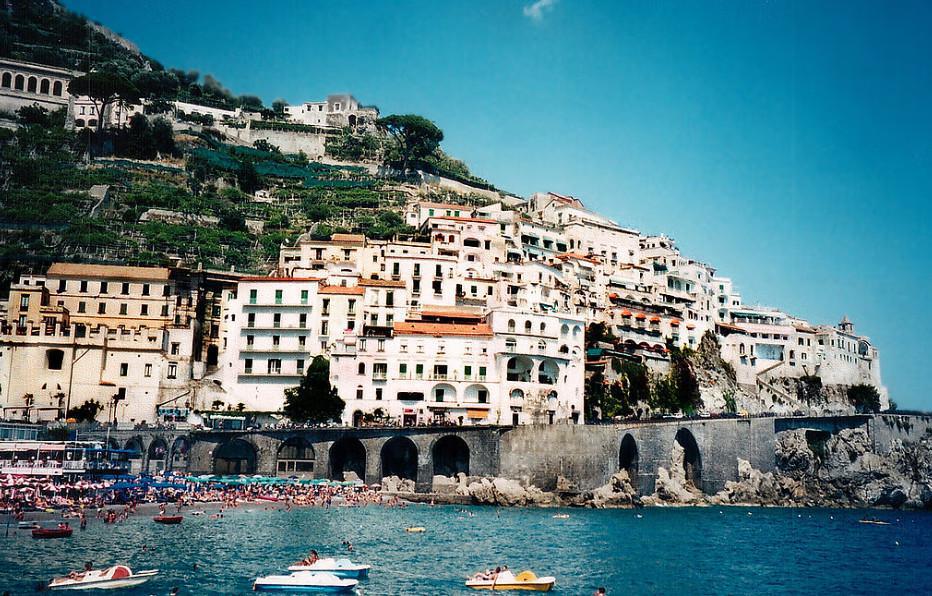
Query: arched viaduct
{"x": 587, "y": 455}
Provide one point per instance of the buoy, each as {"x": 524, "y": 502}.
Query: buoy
{"x": 415, "y": 529}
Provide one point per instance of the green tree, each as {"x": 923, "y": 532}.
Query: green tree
{"x": 595, "y": 395}
{"x": 416, "y": 136}
{"x": 864, "y": 398}
{"x": 104, "y": 89}
{"x": 314, "y": 400}
{"x": 86, "y": 412}
{"x": 247, "y": 177}
{"x": 163, "y": 137}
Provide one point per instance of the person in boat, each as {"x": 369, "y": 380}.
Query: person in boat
{"x": 311, "y": 558}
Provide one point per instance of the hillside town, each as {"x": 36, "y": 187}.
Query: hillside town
{"x": 482, "y": 314}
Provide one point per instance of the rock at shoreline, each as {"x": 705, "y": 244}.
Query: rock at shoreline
{"x": 394, "y": 484}
{"x": 618, "y": 492}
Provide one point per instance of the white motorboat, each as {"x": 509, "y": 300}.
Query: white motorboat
{"x": 118, "y": 576}
{"x": 339, "y": 567}
{"x": 305, "y": 581}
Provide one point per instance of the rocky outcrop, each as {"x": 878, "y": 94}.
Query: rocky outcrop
{"x": 618, "y": 492}
{"x": 394, "y": 484}
{"x": 503, "y": 491}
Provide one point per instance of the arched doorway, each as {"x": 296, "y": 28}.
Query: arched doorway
{"x": 158, "y": 451}
{"x": 213, "y": 353}
{"x": 451, "y": 456}
{"x": 628, "y": 458}
{"x": 358, "y": 418}
{"x": 352, "y": 120}
{"x": 179, "y": 455}
{"x": 692, "y": 459}
{"x": 295, "y": 458}
{"x": 134, "y": 446}
{"x": 235, "y": 457}
{"x": 519, "y": 369}
{"x": 347, "y": 455}
{"x": 399, "y": 458}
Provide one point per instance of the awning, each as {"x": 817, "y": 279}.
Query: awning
{"x": 655, "y": 319}
{"x": 640, "y": 316}
{"x": 626, "y": 313}
{"x": 675, "y": 323}
{"x": 476, "y": 414}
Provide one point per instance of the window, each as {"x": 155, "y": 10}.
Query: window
{"x": 123, "y": 308}
{"x": 481, "y": 373}
{"x": 362, "y": 368}
{"x": 351, "y": 308}
{"x": 82, "y": 306}
{"x": 299, "y": 365}
{"x": 402, "y": 369}
{"x": 104, "y": 287}
{"x": 102, "y": 308}
{"x": 62, "y": 285}
{"x": 276, "y": 341}
{"x": 277, "y": 320}
{"x": 418, "y": 371}
{"x": 438, "y": 394}
{"x": 253, "y": 296}
{"x": 145, "y": 289}
{"x": 527, "y": 326}
{"x": 378, "y": 393}
{"x": 144, "y": 310}
{"x": 302, "y": 340}
{"x": 124, "y": 369}
{"x": 359, "y": 393}
{"x": 172, "y": 370}
{"x": 278, "y": 296}
{"x": 24, "y": 302}
{"x": 274, "y": 366}
{"x": 483, "y": 396}
{"x": 251, "y": 319}
{"x": 54, "y": 359}
{"x": 250, "y": 340}
{"x": 164, "y": 310}
{"x": 511, "y": 326}
{"x": 389, "y": 298}
{"x": 83, "y": 287}
{"x": 302, "y": 320}
{"x": 247, "y": 366}
{"x": 125, "y": 289}
{"x": 324, "y": 328}
{"x": 303, "y": 296}
{"x": 326, "y": 306}
{"x": 175, "y": 348}
{"x": 147, "y": 370}
{"x": 381, "y": 346}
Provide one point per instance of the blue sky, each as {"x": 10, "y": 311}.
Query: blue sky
{"x": 788, "y": 143}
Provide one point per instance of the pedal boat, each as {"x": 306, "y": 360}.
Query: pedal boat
{"x": 342, "y": 568}
{"x": 168, "y": 519}
{"x": 305, "y": 581}
{"x": 118, "y": 576}
{"x": 507, "y": 581}
{"x": 52, "y": 532}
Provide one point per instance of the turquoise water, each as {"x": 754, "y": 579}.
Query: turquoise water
{"x": 690, "y": 551}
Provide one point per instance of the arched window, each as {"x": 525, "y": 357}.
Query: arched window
{"x": 543, "y": 327}
{"x": 79, "y": 123}
{"x": 44, "y": 87}
{"x": 527, "y": 326}
{"x": 32, "y": 85}
{"x": 564, "y": 349}
{"x": 362, "y": 368}
{"x": 92, "y": 122}
{"x": 511, "y": 325}
{"x": 741, "y": 348}
{"x": 7, "y": 80}
{"x": 20, "y": 82}
{"x": 577, "y": 330}
{"x": 57, "y": 88}
{"x": 564, "y": 329}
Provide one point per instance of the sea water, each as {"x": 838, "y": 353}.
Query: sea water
{"x": 714, "y": 550}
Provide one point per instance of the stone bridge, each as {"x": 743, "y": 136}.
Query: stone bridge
{"x": 587, "y": 455}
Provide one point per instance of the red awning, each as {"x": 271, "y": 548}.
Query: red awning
{"x": 640, "y": 316}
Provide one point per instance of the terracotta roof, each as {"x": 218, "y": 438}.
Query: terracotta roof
{"x": 675, "y": 322}
{"x": 348, "y": 238}
{"x": 382, "y": 283}
{"x": 255, "y": 278}
{"x": 351, "y": 290}
{"x": 107, "y": 271}
{"x": 441, "y": 329}
{"x": 731, "y": 327}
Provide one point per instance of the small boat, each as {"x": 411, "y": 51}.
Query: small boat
{"x": 267, "y": 498}
{"x": 506, "y": 580}
{"x": 59, "y": 532}
{"x": 168, "y": 519}
{"x": 875, "y": 522}
{"x": 561, "y": 516}
{"x": 27, "y": 525}
{"x": 118, "y": 576}
{"x": 343, "y": 568}
{"x": 416, "y": 529}
{"x": 305, "y": 581}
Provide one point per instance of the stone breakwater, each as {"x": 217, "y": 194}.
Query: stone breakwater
{"x": 812, "y": 470}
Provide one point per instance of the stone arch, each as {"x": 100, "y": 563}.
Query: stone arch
{"x": 443, "y": 392}
{"x": 19, "y": 83}
{"x": 628, "y": 458}
{"x": 691, "y": 457}
{"x": 156, "y": 455}
{"x": 57, "y": 88}
{"x": 347, "y": 455}
{"x": 236, "y": 456}
{"x": 44, "y": 86}
{"x": 179, "y": 454}
{"x": 32, "y": 84}
{"x": 295, "y": 457}
{"x": 519, "y": 369}
{"x": 476, "y": 393}
{"x": 399, "y": 458}
{"x": 134, "y": 446}
{"x": 7, "y": 80}
{"x": 451, "y": 456}
{"x": 79, "y": 122}
{"x": 548, "y": 372}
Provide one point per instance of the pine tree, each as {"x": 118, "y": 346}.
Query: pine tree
{"x": 314, "y": 400}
